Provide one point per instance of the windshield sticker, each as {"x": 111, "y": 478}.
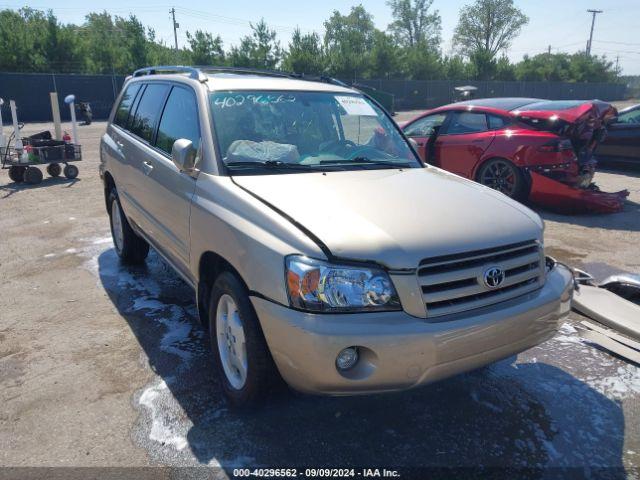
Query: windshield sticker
{"x": 239, "y": 100}
{"x": 356, "y": 106}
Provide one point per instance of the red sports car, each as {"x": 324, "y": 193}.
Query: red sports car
{"x": 497, "y": 141}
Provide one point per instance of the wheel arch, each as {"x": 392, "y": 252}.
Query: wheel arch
{"x": 210, "y": 266}
{"x": 109, "y": 184}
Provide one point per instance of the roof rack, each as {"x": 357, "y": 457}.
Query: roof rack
{"x": 193, "y": 72}
{"x": 198, "y": 72}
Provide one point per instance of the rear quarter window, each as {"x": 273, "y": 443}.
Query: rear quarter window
{"x": 122, "y": 112}
{"x": 496, "y": 122}
{"x": 467, "y": 122}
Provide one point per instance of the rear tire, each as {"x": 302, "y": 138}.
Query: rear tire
{"x": 16, "y": 173}
{"x": 131, "y": 248}
{"x": 505, "y": 177}
{"x": 32, "y": 175}
{"x": 71, "y": 171}
{"x": 237, "y": 340}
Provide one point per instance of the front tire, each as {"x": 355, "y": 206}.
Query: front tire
{"x": 504, "y": 176}
{"x": 241, "y": 356}
{"x": 131, "y": 248}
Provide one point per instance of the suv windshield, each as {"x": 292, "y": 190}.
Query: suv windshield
{"x": 301, "y": 131}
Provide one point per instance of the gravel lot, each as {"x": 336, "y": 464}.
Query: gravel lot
{"x": 103, "y": 365}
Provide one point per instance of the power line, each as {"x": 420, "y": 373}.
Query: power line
{"x": 618, "y": 43}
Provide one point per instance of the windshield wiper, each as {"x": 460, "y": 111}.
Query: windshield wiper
{"x": 272, "y": 164}
{"x": 384, "y": 163}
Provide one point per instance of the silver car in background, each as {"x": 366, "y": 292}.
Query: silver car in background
{"x": 321, "y": 250}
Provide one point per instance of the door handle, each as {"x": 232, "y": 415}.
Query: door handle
{"x": 420, "y": 144}
{"x": 147, "y": 167}
{"x": 120, "y": 144}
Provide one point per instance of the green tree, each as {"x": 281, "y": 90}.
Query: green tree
{"x": 205, "y": 48}
{"x": 385, "y": 60}
{"x": 456, "y": 68}
{"x": 304, "y": 54}
{"x": 25, "y": 41}
{"x": 413, "y": 25}
{"x": 565, "y": 67}
{"x": 348, "y": 41}
{"x": 422, "y": 64}
{"x": 261, "y": 49}
{"x": 505, "y": 70}
{"x": 486, "y": 28}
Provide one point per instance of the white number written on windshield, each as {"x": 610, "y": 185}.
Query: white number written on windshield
{"x": 239, "y": 100}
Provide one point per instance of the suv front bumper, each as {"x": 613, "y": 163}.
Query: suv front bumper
{"x": 399, "y": 351}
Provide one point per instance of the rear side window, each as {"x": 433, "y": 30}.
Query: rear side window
{"x": 496, "y": 122}
{"x": 179, "y": 120}
{"x": 149, "y": 106}
{"x": 467, "y": 122}
{"x": 122, "y": 113}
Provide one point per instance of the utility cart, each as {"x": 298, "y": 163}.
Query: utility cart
{"x": 38, "y": 150}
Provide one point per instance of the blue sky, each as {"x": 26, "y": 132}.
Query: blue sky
{"x": 563, "y": 24}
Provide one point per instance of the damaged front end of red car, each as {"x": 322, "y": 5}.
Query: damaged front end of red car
{"x": 567, "y": 186}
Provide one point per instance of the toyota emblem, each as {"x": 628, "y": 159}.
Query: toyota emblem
{"x": 493, "y": 277}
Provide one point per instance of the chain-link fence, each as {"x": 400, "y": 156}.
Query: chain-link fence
{"x": 31, "y": 92}
{"x": 418, "y": 94}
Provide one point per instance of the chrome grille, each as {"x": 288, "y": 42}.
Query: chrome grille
{"x": 455, "y": 283}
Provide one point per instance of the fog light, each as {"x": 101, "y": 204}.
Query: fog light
{"x": 347, "y": 358}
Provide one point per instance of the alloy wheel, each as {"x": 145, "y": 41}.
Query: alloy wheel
{"x": 231, "y": 342}
{"x": 500, "y": 175}
{"x": 116, "y": 225}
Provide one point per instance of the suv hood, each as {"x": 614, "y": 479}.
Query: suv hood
{"x": 396, "y": 217}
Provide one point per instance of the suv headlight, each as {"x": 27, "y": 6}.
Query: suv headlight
{"x": 319, "y": 286}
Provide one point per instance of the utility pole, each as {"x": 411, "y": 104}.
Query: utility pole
{"x": 593, "y": 21}
{"x": 176, "y": 26}
{"x": 549, "y": 50}
{"x": 617, "y": 61}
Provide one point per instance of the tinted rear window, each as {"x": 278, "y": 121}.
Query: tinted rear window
{"x": 149, "y": 106}
{"x": 122, "y": 113}
{"x": 467, "y": 122}
{"x": 496, "y": 122}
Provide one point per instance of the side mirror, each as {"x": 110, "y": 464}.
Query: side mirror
{"x": 183, "y": 155}
{"x": 413, "y": 143}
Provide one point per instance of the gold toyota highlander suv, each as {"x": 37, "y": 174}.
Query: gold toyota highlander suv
{"x": 321, "y": 249}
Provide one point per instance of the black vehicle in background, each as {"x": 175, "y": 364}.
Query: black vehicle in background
{"x": 622, "y": 143}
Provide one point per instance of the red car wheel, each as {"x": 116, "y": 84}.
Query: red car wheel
{"x": 504, "y": 176}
